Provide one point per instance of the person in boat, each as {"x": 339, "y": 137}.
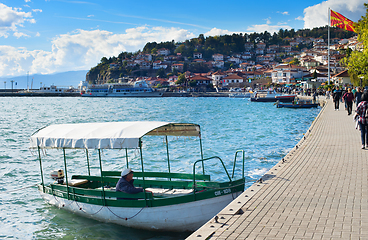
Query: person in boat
{"x": 125, "y": 183}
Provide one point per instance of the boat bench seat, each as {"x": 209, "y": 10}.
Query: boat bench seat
{"x": 76, "y": 182}
{"x": 165, "y": 184}
{"x": 161, "y": 192}
{"x": 160, "y": 175}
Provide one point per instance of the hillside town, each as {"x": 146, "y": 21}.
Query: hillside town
{"x": 259, "y": 66}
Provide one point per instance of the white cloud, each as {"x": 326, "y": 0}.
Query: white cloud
{"x": 19, "y": 34}
{"x": 317, "y": 15}
{"x": 36, "y": 10}
{"x": 217, "y": 32}
{"x": 81, "y": 50}
{"x": 266, "y": 27}
{"x": 284, "y": 13}
{"x": 11, "y": 19}
{"x": 299, "y": 18}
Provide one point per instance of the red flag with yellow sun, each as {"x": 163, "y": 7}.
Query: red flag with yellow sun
{"x": 338, "y": 20}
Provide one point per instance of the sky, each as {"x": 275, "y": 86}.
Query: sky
{"x": 52, "y": 36}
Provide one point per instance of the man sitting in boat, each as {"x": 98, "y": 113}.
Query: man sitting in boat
{"x": 125, "y": 183}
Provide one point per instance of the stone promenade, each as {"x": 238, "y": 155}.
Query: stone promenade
{"x": 318, "y": 191}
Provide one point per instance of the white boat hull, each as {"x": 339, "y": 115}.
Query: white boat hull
{"x": 180, "y": 217}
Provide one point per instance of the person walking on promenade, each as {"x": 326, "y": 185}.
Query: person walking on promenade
{"x": 336, "y": 95}
{"x": 348, "y": 99}
{"x": 328, "y": 93}
{"x": 358, "y": 96}
{"x": 362, "y": 114}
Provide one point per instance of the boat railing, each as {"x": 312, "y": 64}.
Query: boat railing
{"x": 202, "y": 161}
{"x": 243, "y": 158}
{"x": 95, "y": 196}
{"x": 168, "y": 175}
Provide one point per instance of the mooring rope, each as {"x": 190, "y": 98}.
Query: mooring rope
{"x": 128, "y": 217}
{"x": 81, "y": 209}
{"x": 63, "y": 205}
{"x": 14, "y": 190}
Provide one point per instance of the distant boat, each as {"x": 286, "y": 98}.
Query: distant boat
{"x": 50, "y": 89}
{"x": 240, "y": 95}
{"x": 137, "y": 89}
{"x": 271, "y": 96}
{"x": 298, "y": 104}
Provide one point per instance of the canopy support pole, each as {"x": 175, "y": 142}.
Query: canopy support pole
{"x": 168, "y": 156}
{"x": 200, "y": 143}
{"x": 102, "y": 181}
{"x": 66, "y": 174}
{"x": 126, "y": 157}
{"x": 39, "y": 158}
{"x": 89, "y": 171}
{"x": 144, "y": 183}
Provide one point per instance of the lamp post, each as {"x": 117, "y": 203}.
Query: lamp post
{"x": 12, "y": 81}
{"x": 361, "y": 80}
{"x": 4, "y": 84}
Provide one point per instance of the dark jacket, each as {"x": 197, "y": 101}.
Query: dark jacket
{"x": 348, "y": 97}
{"x": 124, "y": 186}
{"x": 336, "y": 95}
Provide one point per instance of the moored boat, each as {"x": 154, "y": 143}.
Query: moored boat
{"x": 298, "y": 104}
{"x": 171, "y": 201}
{"x": 136, "y": 89}
{"x": 271, "y": 96}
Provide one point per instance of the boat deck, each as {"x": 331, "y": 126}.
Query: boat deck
{"x": 319, "y": 192}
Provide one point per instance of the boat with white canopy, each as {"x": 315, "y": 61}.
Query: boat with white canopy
{"x": 176, "y": 201}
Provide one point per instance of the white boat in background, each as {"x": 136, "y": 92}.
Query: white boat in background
{"x": 271, "y": 96}
{"x": 177, "y": 201}
{"x": 136, "y": 89}
{"x": 241, "y": 95}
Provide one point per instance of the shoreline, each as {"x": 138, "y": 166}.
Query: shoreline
{"x": 166, "y": 94}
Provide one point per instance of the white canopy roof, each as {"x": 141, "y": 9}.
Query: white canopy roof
{"x": 107, "y": 135}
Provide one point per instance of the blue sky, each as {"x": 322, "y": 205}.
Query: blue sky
{"x": 50, "y": 36}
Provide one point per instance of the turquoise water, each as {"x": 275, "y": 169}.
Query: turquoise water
{"x": 263, "y": 131}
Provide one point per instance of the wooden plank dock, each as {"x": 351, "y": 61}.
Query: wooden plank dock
{"x": 319, "y": 190}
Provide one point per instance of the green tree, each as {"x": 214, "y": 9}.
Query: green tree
{"x": 314, "y": 74}
{"x": 161, "y": 73}
{"x": 294, "y": 61}
{"x": 181, "y": 79}
{"x": 104, "y": 60}
{"x": 193, "y": 83}
{"x": 357, "y": 62}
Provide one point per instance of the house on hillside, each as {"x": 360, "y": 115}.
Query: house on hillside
{"x": 218, "y": 57}
{"x": 163, "y": 51}
{"x": 342, "y": 79}
{"x": 197, "y": 55}
{"x": 233, "y": 80}
{"x": 202, "y": 82}
{"x": 287, "y": 73}
{"x": 178, "y": 66}
{"x": 217, "y": 77}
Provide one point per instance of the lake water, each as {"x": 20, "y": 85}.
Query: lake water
{"x": 263, "y": 131}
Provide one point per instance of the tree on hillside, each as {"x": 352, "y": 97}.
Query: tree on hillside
{"x": 181, "y": 79}
{"x": 357, "y": 62}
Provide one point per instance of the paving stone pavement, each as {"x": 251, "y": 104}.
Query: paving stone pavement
{"x": 318, "y": 191}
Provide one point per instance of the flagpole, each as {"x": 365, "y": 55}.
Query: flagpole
{"x": 328, "y": 50}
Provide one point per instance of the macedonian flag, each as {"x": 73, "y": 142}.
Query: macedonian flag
{"x": 338, "y": 20}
